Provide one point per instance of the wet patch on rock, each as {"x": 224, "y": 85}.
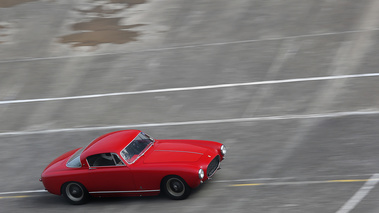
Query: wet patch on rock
{"x": 11, "y": 3}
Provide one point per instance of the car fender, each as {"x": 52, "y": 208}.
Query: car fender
{"x": 150, "y": 177}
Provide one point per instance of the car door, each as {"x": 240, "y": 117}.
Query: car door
{"x": 108, "y": 174}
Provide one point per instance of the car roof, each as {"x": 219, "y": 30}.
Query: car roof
{"x": 112, "y": 142}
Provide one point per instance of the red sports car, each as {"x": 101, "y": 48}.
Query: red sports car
{"x": 131, "y": 163}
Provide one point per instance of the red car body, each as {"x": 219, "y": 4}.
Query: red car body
{"x": 147, "y": 173}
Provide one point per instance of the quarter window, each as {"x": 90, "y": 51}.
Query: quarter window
{"x": 74, "y": 161}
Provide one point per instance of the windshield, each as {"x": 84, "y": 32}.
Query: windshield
{"x": 137, "y": 147}
{"x": 74, "y": 161}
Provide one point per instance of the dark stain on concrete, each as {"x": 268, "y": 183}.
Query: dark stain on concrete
{"x": 11, "y": 3}
{"x": 130, "y": 3}
{"x": 100, "y": 10}
{"x": 2, "y": 35}
{"x": 103, "y": 30}
{"x": 100, "y": 31}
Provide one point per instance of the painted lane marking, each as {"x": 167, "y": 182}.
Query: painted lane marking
{"x": 291, "y": 178}
{"x": 360, "y": 194}
{"x": 23, "y": 192}
{"x": 180, "y": 123}
{"x": 304, "y": 182}
{"x": 258, "y": 97}
{"x": 20, "y": 196}
{"x": 30, "y": 59}
{"x": 178, "y": 89}
{"x": 11, "y": 195}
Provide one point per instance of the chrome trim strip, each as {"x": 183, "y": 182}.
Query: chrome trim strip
{"x": 114, "y": 192}
{"x": 179, "y": 151}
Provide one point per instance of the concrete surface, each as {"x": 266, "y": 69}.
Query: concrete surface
{"x": 71, "y": 71}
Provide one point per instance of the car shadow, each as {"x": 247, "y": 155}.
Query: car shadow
{"x": 58, "y": 201}
{"x": 134, "y": 199}
{"x": 48, "y": 200}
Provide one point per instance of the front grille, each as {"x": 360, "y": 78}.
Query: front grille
{"x": 213, "y": 166}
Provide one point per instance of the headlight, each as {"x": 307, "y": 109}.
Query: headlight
{"x": 223, "y": 150}
{"x": 201, "y": 174}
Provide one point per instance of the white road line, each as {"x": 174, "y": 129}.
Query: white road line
{"x": 29, "y": 59}
{"x": 294, "y": 80}
{"x": 359, "y": 195}
{"x": 180, "y": 123}
{"x": 293, "y": 178}
{"x": 263, "y": 92}
{"x": 22, "y": 192}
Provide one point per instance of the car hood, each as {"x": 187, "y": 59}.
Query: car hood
{"x": 175, "y": 151}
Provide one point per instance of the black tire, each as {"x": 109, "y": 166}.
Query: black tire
{"x": 75, "y": 193}
{"x": 175, "y": 188}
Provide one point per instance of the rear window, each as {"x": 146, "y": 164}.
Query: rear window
{"x": 74, "y": 161}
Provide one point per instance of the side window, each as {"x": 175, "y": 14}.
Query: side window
{"x": 117, "y": 160}
{"x": 105, "y": 159}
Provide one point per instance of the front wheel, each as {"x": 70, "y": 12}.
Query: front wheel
{"x": 75, "y": 193}
{"x": 175, "y": 188}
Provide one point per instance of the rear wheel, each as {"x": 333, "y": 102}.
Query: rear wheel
{"x": 75, "y": 193}
{"x": 175, "y": 188}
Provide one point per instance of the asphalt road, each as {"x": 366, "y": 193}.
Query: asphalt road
{"x": 290, "y": 87}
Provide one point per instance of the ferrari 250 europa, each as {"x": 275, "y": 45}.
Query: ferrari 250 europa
{"x": 131, "y": 163}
